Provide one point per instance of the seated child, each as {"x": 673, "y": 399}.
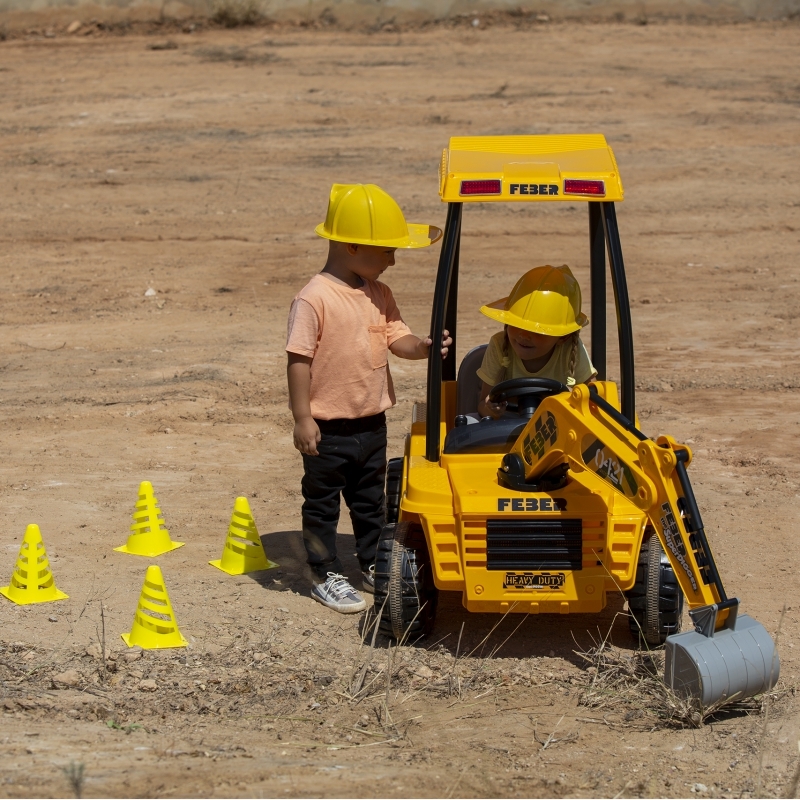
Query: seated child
{"x": 542, "y": 318}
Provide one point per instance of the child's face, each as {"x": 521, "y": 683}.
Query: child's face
{"x": 529, "y": 346}
{"x": 368, "y": 261}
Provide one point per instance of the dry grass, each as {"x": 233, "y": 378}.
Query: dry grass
{"x": 236, "y": 13}
{"x": 628, "y": 686}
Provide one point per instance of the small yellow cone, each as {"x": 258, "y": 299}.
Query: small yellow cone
{"x": 149, "y": 536}
{"x": 32, "y": 581}
{"x": 154, "y": 624}
{"x": 243, "y": 551}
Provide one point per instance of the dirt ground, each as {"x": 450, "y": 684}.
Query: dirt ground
{"x": 199, "y": 171}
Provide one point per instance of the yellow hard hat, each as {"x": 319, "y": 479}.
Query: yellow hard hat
{"x": 363, "y": 213}
{"x": 545, "y": 300}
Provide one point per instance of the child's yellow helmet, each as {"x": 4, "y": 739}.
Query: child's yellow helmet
{"x": 545, "y": 300}
{"x": 363, "y": 213}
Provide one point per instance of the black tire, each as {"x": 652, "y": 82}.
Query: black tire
{"x": 394, "y": 485}
{"x": 405, "y": 594}
{"x": 655, "y": 603}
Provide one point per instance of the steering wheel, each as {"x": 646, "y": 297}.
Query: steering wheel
{"x": 528, "y": 391}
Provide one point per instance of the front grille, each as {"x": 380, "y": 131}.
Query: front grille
{"x": 534, "y": 544}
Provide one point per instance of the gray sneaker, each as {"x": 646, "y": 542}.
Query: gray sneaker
{"x": 368, "y": 579}
{"x": 337, "y": 593}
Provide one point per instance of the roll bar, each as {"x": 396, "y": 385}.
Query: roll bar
{"x": 603, "y": 237}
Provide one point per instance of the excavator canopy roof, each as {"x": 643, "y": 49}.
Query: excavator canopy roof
{"x": 524, "y": 169}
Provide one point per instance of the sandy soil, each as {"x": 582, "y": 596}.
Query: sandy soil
{"x": 200, "y": 171}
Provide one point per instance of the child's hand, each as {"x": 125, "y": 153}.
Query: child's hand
{"x": 489, "y": 409}
{"x": 306, "y": 436}
{"x": 426, "y": 343}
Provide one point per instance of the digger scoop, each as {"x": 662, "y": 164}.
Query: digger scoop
{"x": 735, "y": 662}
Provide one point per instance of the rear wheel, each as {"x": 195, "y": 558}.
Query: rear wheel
{"x": 405, "y": 594}
{"x": 655, "y": 602}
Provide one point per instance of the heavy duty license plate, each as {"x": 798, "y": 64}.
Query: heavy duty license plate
{"x": 533, "y": 580}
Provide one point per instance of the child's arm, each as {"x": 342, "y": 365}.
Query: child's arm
{"x": 414, "y": 348}
{"x": 487, "y": 409}
{"x": 306, "y": 431}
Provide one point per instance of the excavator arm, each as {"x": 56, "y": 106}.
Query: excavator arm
{"x": 728, "y": 655}
{"x": 585, "y": 431}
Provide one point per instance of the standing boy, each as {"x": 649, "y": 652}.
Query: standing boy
{"x": 342, "y": 325}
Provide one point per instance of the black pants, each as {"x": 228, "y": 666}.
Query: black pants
{"x": 351, "y": 462}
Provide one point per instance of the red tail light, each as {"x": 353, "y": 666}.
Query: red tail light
{"x": 596, "y": 188}
{"x": 481, "y": 187}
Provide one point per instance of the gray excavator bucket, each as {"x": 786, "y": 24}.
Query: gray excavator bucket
{"x": 727, "y": 665}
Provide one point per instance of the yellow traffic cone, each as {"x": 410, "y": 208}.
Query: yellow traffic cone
{"x": 243, "y": 551}
{"x": 149, "y": 537}
{"x": 32, "y": 581}
{"x": 154, "y": 624}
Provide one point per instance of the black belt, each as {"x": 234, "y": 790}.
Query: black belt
{"x": 347, "y": 427}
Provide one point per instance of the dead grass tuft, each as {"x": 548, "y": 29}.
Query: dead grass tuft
{"x": 236, "y": 13}
{"x": 629, "y": 687}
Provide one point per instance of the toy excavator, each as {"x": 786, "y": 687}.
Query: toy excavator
{"x": 550, "y": 509}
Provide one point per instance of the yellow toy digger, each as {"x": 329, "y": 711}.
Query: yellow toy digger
{"x": 550, "y": 509}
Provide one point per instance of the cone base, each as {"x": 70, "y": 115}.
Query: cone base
{"x": 126, "y": 637}
{"x": 218, "y": 565}
{"x": 173, "y": 546}
{"x": 56, "y": 595}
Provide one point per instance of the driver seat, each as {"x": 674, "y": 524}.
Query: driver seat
{"x": 468, "y": 384}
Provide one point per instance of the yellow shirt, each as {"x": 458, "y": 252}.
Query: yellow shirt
{"x": 493, "y": 371}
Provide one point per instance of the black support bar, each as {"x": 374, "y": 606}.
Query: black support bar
{"x": 622, "y": 303}
{"x": 448, "y": 259}
{"x": 451, "y": 319}
{"x": 597, "y": 250}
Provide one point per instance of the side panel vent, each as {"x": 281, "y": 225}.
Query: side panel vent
{"x": 534, "y": 544}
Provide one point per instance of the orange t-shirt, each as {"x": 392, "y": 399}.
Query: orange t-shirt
{"x": 347, "y": 332}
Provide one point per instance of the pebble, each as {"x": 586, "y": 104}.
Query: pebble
{"x": 151, "y": 292}
{"x": 147, "y": 685}
{"x": 134, "y": 654}
{"x": 74, "y": 26}
{"x": 70, "y": 677}
{"x": 699, "y": 788}
{"x": 95, "y": 651}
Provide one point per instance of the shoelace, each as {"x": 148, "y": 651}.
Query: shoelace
{"x": 338, "y": 585}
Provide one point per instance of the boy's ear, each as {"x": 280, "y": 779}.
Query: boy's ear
{"x": 352, "y": 249}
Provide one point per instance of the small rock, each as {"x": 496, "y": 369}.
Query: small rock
{"x": 168, "y": 430}
{"x": 151, "y": 292}
{"x": 74, "y": 27}
{"x": 134, "y": 654}
{"x": 699, "y": 788}
{"x": 52, "y": 619}
{"x": 259, "y": 657}
{"x": 147, "y": 685}
{"x": 70, "y": 677}
{"x": 94, "y": 650}
{"x": 423, "y": 672}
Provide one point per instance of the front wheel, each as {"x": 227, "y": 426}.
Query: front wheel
{"x": 655, "y": 603}
{"x": 405, "y": 594}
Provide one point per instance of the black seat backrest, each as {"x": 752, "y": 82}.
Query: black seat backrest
{"x": 469, "y": 384}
